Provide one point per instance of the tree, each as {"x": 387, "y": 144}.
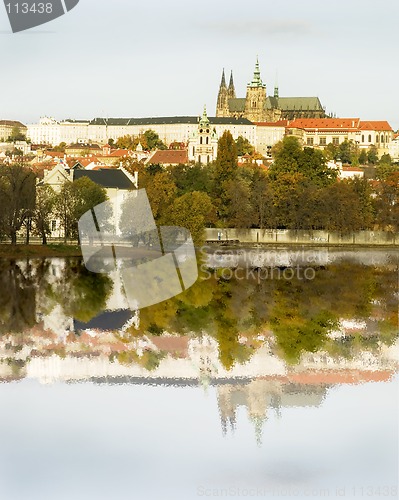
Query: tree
{"x": 239, "y": 208}
{"x": 244, "y": 147}
{"x": 226, "y": 169}
{"x": 363, "y": 158}
{"x": 193, "y": 211}
{"x": 348, "y": 152}
{"x": 17, "y": 199}
{"x": 161, "y": 191}
{"x": 60, "y": 148}
{"x": 344, "y": 210}
{"x": 372, "y": 155}
{"x": 261, "y": 198}
{"x": 226, "y": 161}
{"x": 43, "y": 213}
{"x": 385, "y": 159}
{"x": 387, "y": 202}
{"x": 153, "y": 141}
{"x": 16, "y": 135}
{"x": 74, "y": 200}
{"x": 190, "y": 178}
{"x": 290, "y": 158}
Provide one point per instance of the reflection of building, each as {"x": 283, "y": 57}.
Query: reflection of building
{"x": 260, "y": 395}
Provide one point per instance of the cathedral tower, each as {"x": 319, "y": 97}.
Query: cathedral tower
{"x": 222, "y": 106}
{"x": 255, "y": 102}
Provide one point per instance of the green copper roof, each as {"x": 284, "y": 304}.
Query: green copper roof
{"x": 204, "y": 122}
{"x": 256, "y": 80}
{"x": 237, "y": 105}
{"x": 300, "y": 103}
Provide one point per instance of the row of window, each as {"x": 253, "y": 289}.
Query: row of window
{"x": 335, "y": 140}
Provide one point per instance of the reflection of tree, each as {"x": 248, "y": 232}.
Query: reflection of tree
{"x": 299, "y": 313}
{"x": 17, "y": 298}
{"x": 82, "y": 294}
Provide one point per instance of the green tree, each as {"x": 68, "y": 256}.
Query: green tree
{"x": 16, "y": 135}
{"x": 363, "y": 158}
{"x": 290, "y": 158}
{"x": 75, "y": 199}
{"x": 226, "y": 167}
{"x": 190, "y": 178}
{"x": 387, "y": 202}
{"x": 349, "y": 152}
{"x": 17, "y": 199}
{"x": 239, "y": 208}
{"x": 344, "y": 209}
{"x": 193, "y": 211}
{"x": 61, "y": 147}
{"x": 161, "y": 191}
{"x": 43, "y": 213}
{"x": 385, "y": 159}
{"x": 244, "y": 147}
{"x": 372, "y": 155}
{"x": 153, "y": 141}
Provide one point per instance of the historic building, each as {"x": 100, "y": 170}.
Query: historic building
{"x": 203, "y": 143}
{"x": 257, "y": 106}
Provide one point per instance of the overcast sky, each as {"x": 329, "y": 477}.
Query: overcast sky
{"x": 122, "y": 58}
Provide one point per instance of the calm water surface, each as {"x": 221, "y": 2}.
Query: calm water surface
{"x": 260, "y": 381}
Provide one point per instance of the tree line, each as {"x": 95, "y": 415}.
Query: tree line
{"x": 298, "y": 191}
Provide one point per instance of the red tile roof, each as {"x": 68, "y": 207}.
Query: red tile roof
{"x": 120, "y": 152}
{"x": 280, "y": 123}
{"x": 170, "y": 157}
{"x": 375, "y": 125}
{"x": 325, "y": 123}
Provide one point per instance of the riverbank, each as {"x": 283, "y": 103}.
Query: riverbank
{"x": 298, "y": 237}
{"x": 8, "y": 251}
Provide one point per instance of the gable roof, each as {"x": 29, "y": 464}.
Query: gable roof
{"x": 107, "y": 178}
{"x": 170, "y": 157}
{"x": 375, "y": 125}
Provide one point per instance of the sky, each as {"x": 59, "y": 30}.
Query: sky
{"x": 122, "y": 58}
{"x": 101, "y": 442}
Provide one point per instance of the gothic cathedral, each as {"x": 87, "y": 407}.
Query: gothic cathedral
{"x": 258, "y": 107}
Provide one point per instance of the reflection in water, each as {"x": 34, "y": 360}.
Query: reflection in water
{"x": 307, "y": 366}
{"x": 60, "y": 322}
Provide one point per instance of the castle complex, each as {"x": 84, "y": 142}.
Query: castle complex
{"x": 257, "y": 106}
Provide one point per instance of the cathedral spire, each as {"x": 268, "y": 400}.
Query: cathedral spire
{"x": 231, "y": 89}
{"x": 223, "y": 82}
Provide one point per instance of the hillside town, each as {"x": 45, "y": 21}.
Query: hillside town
{"x": 124, "y": 154}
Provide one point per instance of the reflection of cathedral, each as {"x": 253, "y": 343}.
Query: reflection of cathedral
{"x": 260, "y": 395}
{"x": 257, "y": 106}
